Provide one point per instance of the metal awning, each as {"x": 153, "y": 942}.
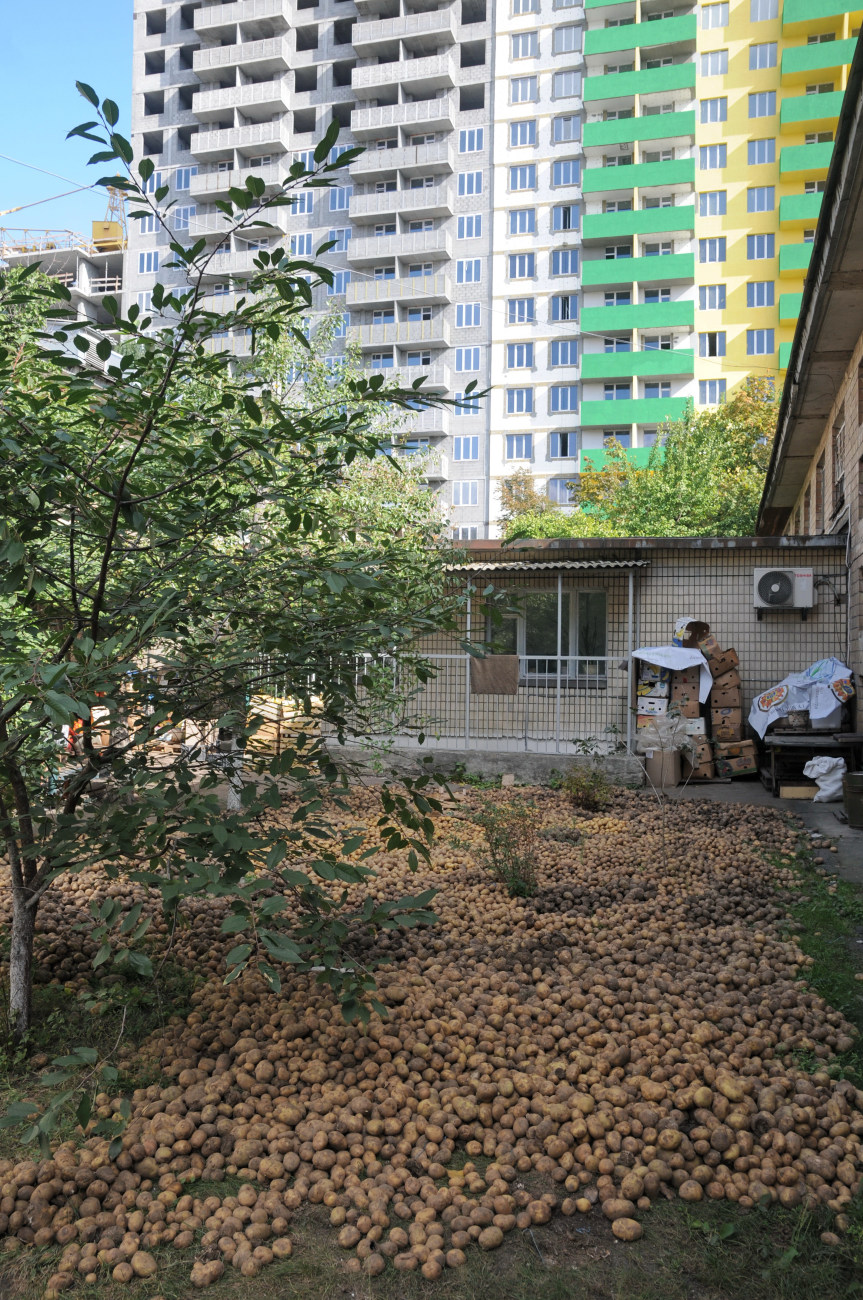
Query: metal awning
{"x": 531, "y": 566}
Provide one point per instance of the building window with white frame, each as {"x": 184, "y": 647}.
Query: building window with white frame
{"x": 468, "y": 315}
{"x": 522, "y": 133}
{"x": 465, "y": 492}
{"x": 566, "y": 129}
{"x": 465, "y": 447}
{"x": 466, "y": 359}
{"x": 522, "y": 221}
{"x": 711, "y": 392}
{"x": 522, "y": 266}
{"x": 469, "y": 226}
{"x": 566, "y": 39}
{"x": 562, "y": 398}
{"x": 564, "y": 85}
{"x": 563, "y": 352}
{"x": 470, "y": 140}
{"x": 519, "y": 401}
{"x": 468, "y": 271}
{"x": 469, "y": 183}
{"x": 519, "y": 446}
{"x": 519, "y": 311}
{"x": 714, "y": 63}
{"x": 519, "y": 356}
{"x": 562, "y": 444}
{"x": 561, "y": 491}
{"x": 148, "y": 263}
{"x": 762, "y": 56}
{"x": 714, "y": 15}
{"x": 760, "y": 343}
{"x": 522, "y": 177}
{"x": 524, "y": 90}
{"x": 524, "y": 45}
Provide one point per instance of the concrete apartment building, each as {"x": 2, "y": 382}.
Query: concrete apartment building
{"x": 602, "y": 211}
{"x": 90, "y": 268}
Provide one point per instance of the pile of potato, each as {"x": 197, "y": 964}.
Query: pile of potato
{"x": 626, "y": 1033}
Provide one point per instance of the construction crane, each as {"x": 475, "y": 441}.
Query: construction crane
{"x": 109, "y": 236}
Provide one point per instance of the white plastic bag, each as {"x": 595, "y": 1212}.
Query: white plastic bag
{"x": 828, "y": 774}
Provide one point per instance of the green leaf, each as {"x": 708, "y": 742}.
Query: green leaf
{"x": 88, "y": 92}
{"x": 146, "y": 167}
{"x": 84, "y": 1111}
{"x": 111, "y": 112}
{"x": 102, "y": 955}
{"x": 326, "y": 142}
{"x": 103, "y": 349}
{"x": 235, "y": 923}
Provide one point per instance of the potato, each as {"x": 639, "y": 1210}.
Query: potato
{"x": 205, "y": 1273}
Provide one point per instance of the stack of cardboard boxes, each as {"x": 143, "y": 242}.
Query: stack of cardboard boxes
{"x": 733, "y": 756}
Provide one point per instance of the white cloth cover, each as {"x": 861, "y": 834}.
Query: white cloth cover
{"x": 827, "y": 774}
{"x": 677, "y": 658}
{"x": 821, "y": 689}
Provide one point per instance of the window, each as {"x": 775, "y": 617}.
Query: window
{"x": 618, "y": 297}
{"x": 563, "y": 352}
{"x": 465, "y": 447}
{"x": 762, "y": 104}
{"x": 580, "y": 640}
{"x": 384, "y": 228}
{"x": 520, "y": 310}
{"x": 808, "y": 236}
{"x": 148, "y": 225}
{"x": 657, "y": 295}
{"x": 618, "y": 392}
{"x": 655, "y": 388}
{"x": 145, "y": 300}
{"x": 618, "y": 345}
{"x": 759, "y": 247}
{"x": 469, "y": 227}
{"x": 617, "y": 205}
{"x": 562, "y": 444}
{"x": 422, "y": 182}
{"x": 657, "y": 342}
{"x": 384, "y": 273}
{"x": 302, "y": 244}
{"x": 663, "y": 201}
{"x": 565, "y": 129}
{"x": 419, "y": 359}
{"x": 611, "y": 69}
{"x": 712, "y": 203}
{"x": 467, "y": 404}
{"x": 760, "y": 151}
{"x": 339, "y": 238}
{"x": 762, "y": 56}
{"x": 416, "y": 227}
{"x": 469, "y": 183}
{"x": 714, "y": 110}
{"x": 655, "y": 156}
{"x": 522, "y": 266}
{"x": 522, "y": 221}
{"x": 183, "y": 177}
{"x": 418, "y": 314}
{"x": 712, "y": 156}
{"x": 712, "y": 344}
{"x": 565, "y": 217}
{"x": 522, "y": 133}
{"x": 714, "y": 64}
{"x": 760, "y": 11}
{"x": 222, "y": 288}
{"x": 559, "y": 490}
{"x": 566, "y": 40}
{"x": 465, "y": 493}
{"x": 711, "y": 297}
{"x": 759, "y": 343}
{"x": 822, "y": 88}
{"x": 819, "y": 137}
{"x": 340, "y": 197}
{"x": 562, "y": 397}
{"x": 565, "y": 171}
{"x": 657, "y": 250}
{"x": 155, "y": 182}
{"x": 814, "y": 187}
{"x": 837, "y": 456}
{"x": 519, "y": 446}
{"x": 468, "y": 533}
{"x": 523, "y": 177}
{"x": 524, "y": 7}
{"x": 467, "y": 358}
{"x": 760, "y": 293}
{"x": 519, "y": 355}
{"x": 824, "y": 39}
{"x": 525, "y": 45}
{"x": 711, "y": 250}
{"x": 468, "y": 271}
{"x": 468, "y": 141}
{"x": 711, "y": 392}
{"x": 303, "y": 203}
{"x": 714, "y": 16}
{"x": 519, "y": 401}
{"x": 762, "y": 198}
{"x": 523, "y": 90}
{"x": 564, "y": 261}
{"x": 565, "y": 84}
{"x": 148, "y": 263}
{"x": 564, "y": 306}
{"x": 382, "y": 360}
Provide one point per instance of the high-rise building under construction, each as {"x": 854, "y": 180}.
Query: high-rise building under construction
{"x": 601, "y": 212}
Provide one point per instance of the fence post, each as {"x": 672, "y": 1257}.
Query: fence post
{"x": 629, "y": 649}
{"x": 467, "y": 679}
{"x": 559, "y": 651}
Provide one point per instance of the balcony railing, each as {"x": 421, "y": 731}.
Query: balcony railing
{"x": 215, "y": 184}
{"x": 405, "y": 334}
{"x": 436, "y": 70}
{"x": 433, "y": 200}
{"x": 273, "y": 53}
{"x": 439, "y": 23}
{"x": 273, "y": 94}
{"x": 106, "y": 284}
{"x": 436, "y": 114}
{"x": 417, "y": 288}
{"x": 211, "y": 17}
{"x": 412, "y": 160}
{"x": 266, "y": 135}
{"x": 434, "y": 244}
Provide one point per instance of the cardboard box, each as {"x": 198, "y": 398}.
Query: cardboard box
{"x": 643, "y": 720}
{"x": 723, "y": 662}
{"x": 656, "y": 690}
{"x": 662, "y": 768}
{"x": 685, "y": 677}
{"x": 652, "y": 672}
{"x": 726, "y": 724}
{"x": 730, "y": 698}
{"x": 689, "y": 632}
{"x": 703, "y": 772}
{"x": 650, "y": 704}
{"x": 741, "y": 766}
{"x": 696, "y": 726}
{"x": 709, "y": 647}
{"x": 686, "y": 708}
{"x": 727, "y": 681}
{"x": 798, "y": 791}
{"x": 734, "y": 748}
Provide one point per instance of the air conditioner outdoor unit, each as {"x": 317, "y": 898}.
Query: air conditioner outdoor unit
{"x": 783, "y": 589}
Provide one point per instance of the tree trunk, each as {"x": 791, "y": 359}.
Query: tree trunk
{"x": 21, "y": 964}
{"x": 233, "y": 763}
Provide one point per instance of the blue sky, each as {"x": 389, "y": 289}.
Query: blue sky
{"x": 46, "y": 46}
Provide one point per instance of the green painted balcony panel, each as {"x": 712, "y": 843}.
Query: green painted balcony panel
{"x": 604, "y": 4}
{"x": 678, "y": 171}
{"x": 794, "y": 259}
{"x": 807, "y": 12}
{"x": 646, "y": 221}
{"x": 623, "y": 365}
{"x": 619, "y": 85}
{"x": 789, "y": 307}
{"x": 784, "y": 355}
{"x": 658, "y": 126}
{"x": 639, "y": 316}
{"x": 803, "y": 62}
{"x": 624, "y": 270}
{"x": 635, "y": 410}
{"x": 798, "y": 210}
{"x": 663, "y": 31}
{"x": 805, "y": 161}
{"x": 597, "y": 460}
{"x": 809, "y": 111}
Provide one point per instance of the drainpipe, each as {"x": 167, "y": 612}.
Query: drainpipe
{"x": 559, "y": 651}
{"x": 629, "y": 649}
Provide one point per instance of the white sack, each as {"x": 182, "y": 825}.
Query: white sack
{"x": 827, "y": 774}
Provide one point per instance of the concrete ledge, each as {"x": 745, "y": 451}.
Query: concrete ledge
{"x": 532, "y": 769}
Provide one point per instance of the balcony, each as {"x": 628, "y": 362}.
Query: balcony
{"x": 600, "y": 271}
{"x": 211, "y": 18}
{"x": 789, "y": 307}
{"x": 805, "y": 162}
{"x": 625, "y": 365}
{"x": 799, "y": 211}
{"x": 659, "y": 126}
{"x": 432, "y": 423}
{"x": 437, "y": 377}
{"x": 823, "y": 62}
{"x": 421, "y": 290}
{"x": 677, "y": 171}
{"x": 438, "y": 27}
{"x": 436, "y": 72}
{"x": 270, "y": 56}
{"x": 210, "y": 145}
{"x": 597, "y": 460}
{"x": 266, "y": 96}
{"x": 784, "y": 355}
{"x": 639, "y": 316}
{"x": 430, "y": 201}
{"x": 635, "y": 410}
{"x": 215, "y": 185}
{"x": 807, "y": 16}
{"x": 425, "y": 244}
{"x": 649, "y": 81}
{"x": 810, "y": 112}
{"x": 432, "y": 333}
{"x": 664, "y": 31}
{"x": 104, "y": 284}
{"x": 437, "y": 469}
{"x": 646, "y": 221}
{"x": 794, "y": 260}
{"x": 412, "y": 160}
{"x": 433, "y": 114}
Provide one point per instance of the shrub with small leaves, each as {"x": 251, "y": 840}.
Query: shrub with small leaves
{"x": 511, "y": 830}
{"x": 588, "y": 787}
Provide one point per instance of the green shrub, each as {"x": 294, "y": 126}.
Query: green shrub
{"x": 588, "y": 787}
{"x": 510, "y": 831}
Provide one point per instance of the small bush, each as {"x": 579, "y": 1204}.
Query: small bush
{"x": 511, "y": 831}
{"x": 587, "y": 787}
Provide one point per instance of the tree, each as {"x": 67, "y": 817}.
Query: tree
{"x": 704, "y": 477}
{"x": 519, "y": 497}
{"x": 169, "y": 549}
